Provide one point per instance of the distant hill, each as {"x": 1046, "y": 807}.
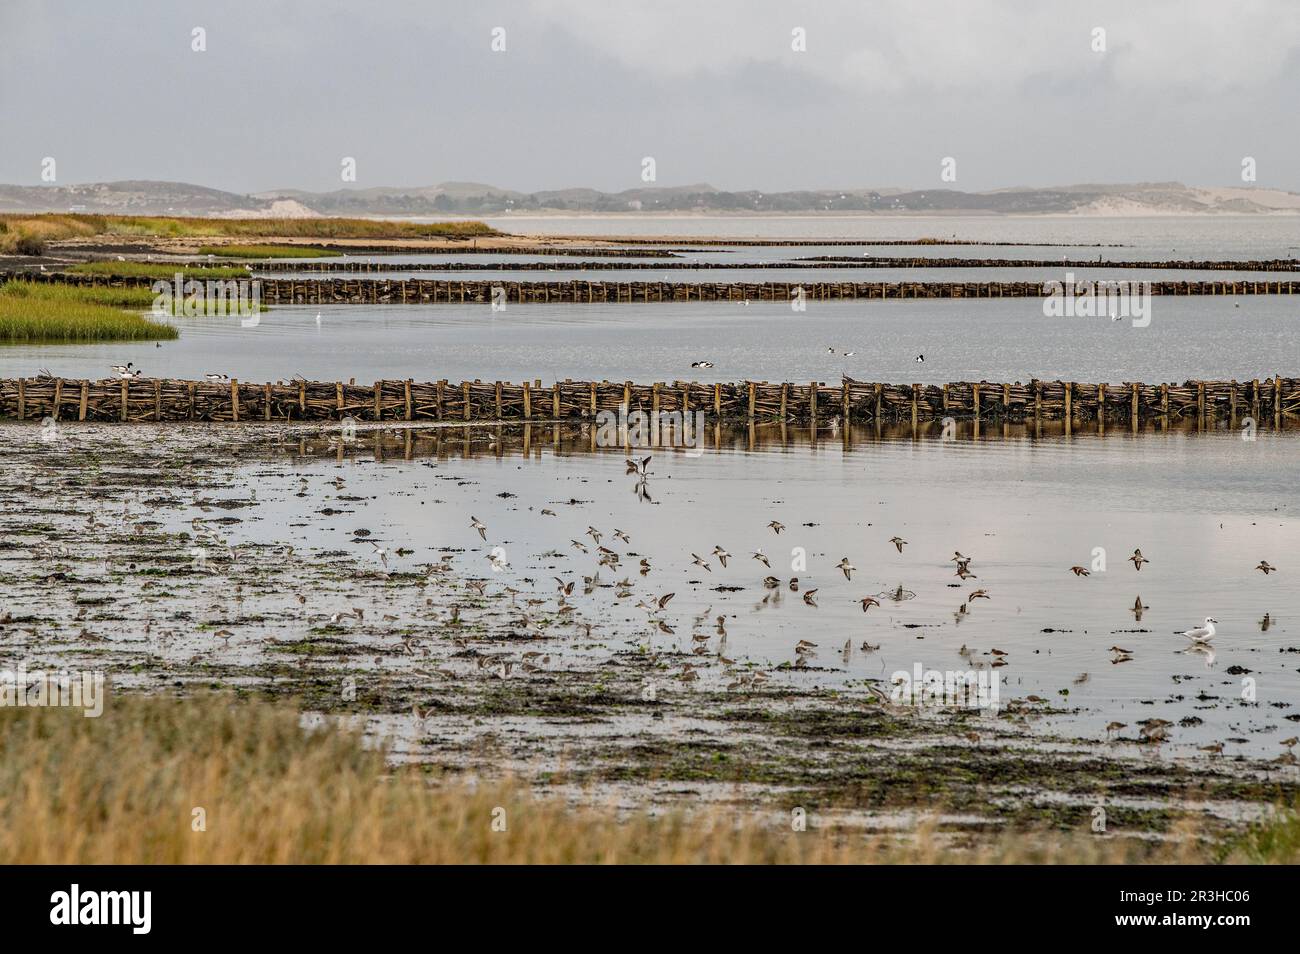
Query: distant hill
{"x": 468, "y": 198}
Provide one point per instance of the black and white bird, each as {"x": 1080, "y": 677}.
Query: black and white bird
{"x": 701, "y": 364}
{"x": 920, "y": 359}
{"x": 215, "y": 376}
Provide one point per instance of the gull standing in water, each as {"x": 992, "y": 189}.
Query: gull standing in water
{"x": 1201, "y": 634}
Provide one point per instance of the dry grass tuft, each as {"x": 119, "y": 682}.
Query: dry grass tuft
{"x": 123, "y": 789}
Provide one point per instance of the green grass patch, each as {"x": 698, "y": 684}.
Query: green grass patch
{"x": 54, "y": 226}
{"x": 266, "y": 251}
{"x": 166, "y": 270}
{"x": 57, "y": 314}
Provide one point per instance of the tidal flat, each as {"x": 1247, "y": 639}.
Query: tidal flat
{"x": 342, "y": 573}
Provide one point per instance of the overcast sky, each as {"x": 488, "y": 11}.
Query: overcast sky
{"x": 710, "y": 88}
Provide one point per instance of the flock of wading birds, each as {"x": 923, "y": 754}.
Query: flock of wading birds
{"x": 1200, "y": 638}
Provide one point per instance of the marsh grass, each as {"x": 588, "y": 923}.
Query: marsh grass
{"x": 49, "y": 314}
{"x": 266, "y": 251}
{"x": 159, "y": 270}
{"x": 55, "y": 226}
{"x": 124, "y": 788}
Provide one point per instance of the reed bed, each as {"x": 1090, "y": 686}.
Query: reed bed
{"x": 48, "y": 314}
{"x": 157, "y": 270}
{"x": 213, "y": 780}
{"x": 849, "y": 401}
{"x": 70, "y": 225}
{"x": 266, "y": 251}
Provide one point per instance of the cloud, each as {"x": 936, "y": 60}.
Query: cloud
{"x": 896, "y": 46}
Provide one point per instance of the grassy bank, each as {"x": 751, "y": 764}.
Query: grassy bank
{"x": 266, "y": 251}
{"x": 29, "y": 234}
{"x": 50, "y": 314}
{"x": 212, "y": 780}
{"x": 160, "y": 270}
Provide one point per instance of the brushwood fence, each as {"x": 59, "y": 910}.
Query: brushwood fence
{"x": 141, "y": 400}
{"x": 343, "y": 291}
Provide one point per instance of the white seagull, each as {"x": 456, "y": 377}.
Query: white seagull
{"x": 1201, "y": 634}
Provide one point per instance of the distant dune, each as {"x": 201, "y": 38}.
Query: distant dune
{"x": 145, "y": 197}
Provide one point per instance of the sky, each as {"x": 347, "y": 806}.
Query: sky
{"x": 714, "y": 90}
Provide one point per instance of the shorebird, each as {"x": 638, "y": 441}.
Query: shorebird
{"x": 761, "y": 557}
{"x": 122, "y": 368}
{"x": 1079, "y": 571}
{"x": 695, "y": 559}
{"x": 620, "y": 535}
{"x": 594, "y": 534}
{"x": 808, "y": 597}
{"x": 868, "y": 602}
{"x": 978, "y": 595}
{"x": 1137, "y": 559}
{"x": 898, "y": 542}
{"x": 920, "y": 359}
{"x": 847, "y": 568}
{"x": 1138, "y": 609}
{"x": 701, "y": 364}
{"x": 1265, "y": 568}
{"x": 1201, "y": 634}
{"x": 215, "y": 376}
{"x": 964, "y": 573}
{"x": 637, "y": 466}
{"x": 777, "y": 526}
{"x": 771, "y": 582}
{"x": 479, "y": 526}
{"x": 380, "y": 552}
{"x": 721, "y": 554}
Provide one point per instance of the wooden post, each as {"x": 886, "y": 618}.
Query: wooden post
{"x": 234, "y": 399}
{"x": 410, "y": 408}
{"x": 654, "y": 404}
{"x": 915, "y": 405}
{"x": 844, "y": 399}
{"x": 464, "y": 394}
{"x": 441, "y": 384}
{"x": 302, "y": 398}
{"x": 1277, "y": 400}
{"x": 1164, "y": 401}
{"x": 379, "y": 407}
{"x": 1200, "y": 402}
{"x": 1101, "y": 403}
{"x": 125, "y": 396}
{"x": 500, "y": 413}
{"x": 555, "y": 400}
{"x": 1232, "y": 401}
{"x": 58, "y": 398}
{"x": 975, "y": 399}
{"x": 157, "y": 399}
{"x": 85, "y": 400}
{"x": 880, "y": 388}
{"x": 812, "y": 403}
{"x": 22, "y": 398}
{"x": 1038, "y": 402}
{"x": 528, "y": 401}
{"x": 717, "y": 399}
{"x": 1134, "y": 411}
{"x": 751, "y": 400}
{"x": 593, "y": 395}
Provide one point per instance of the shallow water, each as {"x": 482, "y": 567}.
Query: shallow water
{"x": 1206, "y": 236}
{"x": 1204, "y": 509}
{"x": 995, "y": 340}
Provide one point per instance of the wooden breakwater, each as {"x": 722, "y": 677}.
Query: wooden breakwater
{"x": 143, "y": 400}
{"x": 354, "y": 267}
{"x": 344, "y": 291}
